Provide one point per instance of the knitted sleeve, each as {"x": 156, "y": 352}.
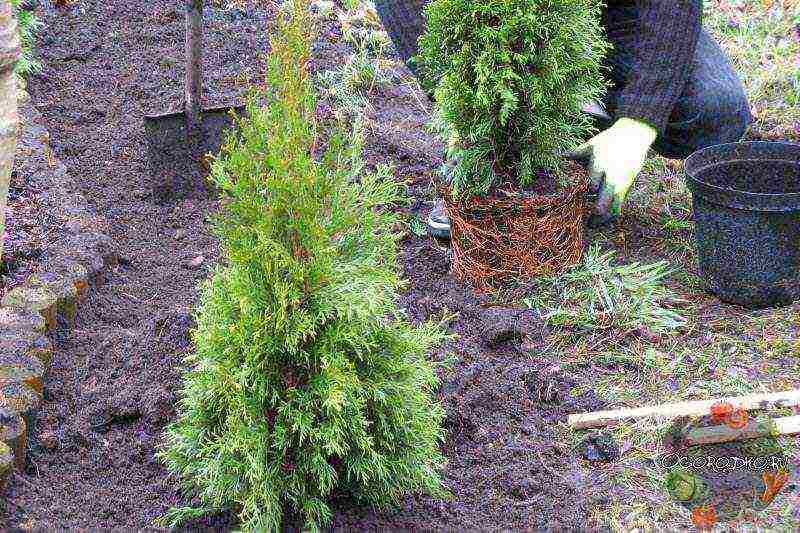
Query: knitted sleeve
{"x": 665, "y": 50}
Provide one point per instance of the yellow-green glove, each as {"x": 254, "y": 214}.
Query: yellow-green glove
{"x": 616, "y": 156}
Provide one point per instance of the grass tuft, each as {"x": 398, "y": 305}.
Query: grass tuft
{"x": 603, "y": 295}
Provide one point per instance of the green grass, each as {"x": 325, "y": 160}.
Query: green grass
{"x": 28, "y": 24}
{"x": 602, "y": 295}
{"x": 718, "y": 350}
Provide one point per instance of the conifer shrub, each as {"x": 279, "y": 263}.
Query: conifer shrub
{"x": 306, "y": 379}
{"x": 510, "y": 78}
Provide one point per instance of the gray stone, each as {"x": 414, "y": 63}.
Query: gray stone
{"x": 197, "y": 262}
{"x": 15, "y": 319}
{"x": 36, "y": 299}
{"x": 22, "y": 400}
{"x": 6, "y": 462}
{"x": 14, "y": 434}
{"x": 72, "y": 271}
{"x": 27, "y": 344}
{"x": 64, "y": 289}
{"x": 20, "y": 368}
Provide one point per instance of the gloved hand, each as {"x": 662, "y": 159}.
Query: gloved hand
{"x": 616, "y": 156}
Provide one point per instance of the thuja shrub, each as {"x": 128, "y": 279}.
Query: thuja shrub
{"x": 510, "y": 78}
{"x": 307, "y": 380}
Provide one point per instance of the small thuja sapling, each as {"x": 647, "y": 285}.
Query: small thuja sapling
{"x": 510, "y": 78}
{"x": 306, "y": 378}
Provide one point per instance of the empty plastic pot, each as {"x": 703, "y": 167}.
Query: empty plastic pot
{"x": 746, "y": 199}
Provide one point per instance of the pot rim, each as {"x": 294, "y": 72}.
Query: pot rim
{"x": 697, "y": 163}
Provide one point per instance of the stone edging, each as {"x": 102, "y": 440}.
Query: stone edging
{"x": 33, "y": 310}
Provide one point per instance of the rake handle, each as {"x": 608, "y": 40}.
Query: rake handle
{"x": 194, "y": 74}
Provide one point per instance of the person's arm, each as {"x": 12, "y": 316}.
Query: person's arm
{"x": 665, "y": 51}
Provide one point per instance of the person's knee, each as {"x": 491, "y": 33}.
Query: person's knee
{"x": 728, "y": 117}
{"x": 718, "y": 117}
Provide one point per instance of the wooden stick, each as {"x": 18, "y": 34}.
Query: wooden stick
{"x": 676, "y": 410}
{"x": 194, "y": 67}
{"x": 789, "y": 425}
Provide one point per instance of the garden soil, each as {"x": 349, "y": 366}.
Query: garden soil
{"x": 112, "y": 388}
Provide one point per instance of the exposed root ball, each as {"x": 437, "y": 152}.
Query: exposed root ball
{"x": 499, "y": 240}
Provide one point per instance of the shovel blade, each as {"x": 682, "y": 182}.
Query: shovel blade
{"x": 216, "y": 122}
{"x": 176, "y": 155}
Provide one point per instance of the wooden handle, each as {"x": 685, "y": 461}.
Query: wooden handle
{"x": 194, "y": 73}
{"x": 676, "y": 410}
{"x": 789, "y": 425}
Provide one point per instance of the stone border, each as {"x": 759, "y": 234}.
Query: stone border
{"x": 30, "y": 312}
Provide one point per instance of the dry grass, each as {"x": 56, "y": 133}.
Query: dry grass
{"x": 764, "y": 45}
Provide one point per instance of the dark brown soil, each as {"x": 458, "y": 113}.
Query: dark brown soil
{"x": 112, "y": 387}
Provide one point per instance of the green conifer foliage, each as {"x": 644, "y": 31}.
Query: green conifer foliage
{"x": 306, "y": 378}
{"x": 510, "y": 78}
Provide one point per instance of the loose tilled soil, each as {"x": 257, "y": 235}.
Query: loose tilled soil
{"x": 112, "y": 387}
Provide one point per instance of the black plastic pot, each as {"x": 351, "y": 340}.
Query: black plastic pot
{"x": 746, "y": 199}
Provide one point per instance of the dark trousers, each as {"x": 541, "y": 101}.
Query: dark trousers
{"x": 713, "y": 108}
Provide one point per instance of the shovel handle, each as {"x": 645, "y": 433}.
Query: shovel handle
{"x": 194, "y": 76}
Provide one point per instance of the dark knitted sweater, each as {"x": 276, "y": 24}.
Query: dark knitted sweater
{"x": 667, "y": 37}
